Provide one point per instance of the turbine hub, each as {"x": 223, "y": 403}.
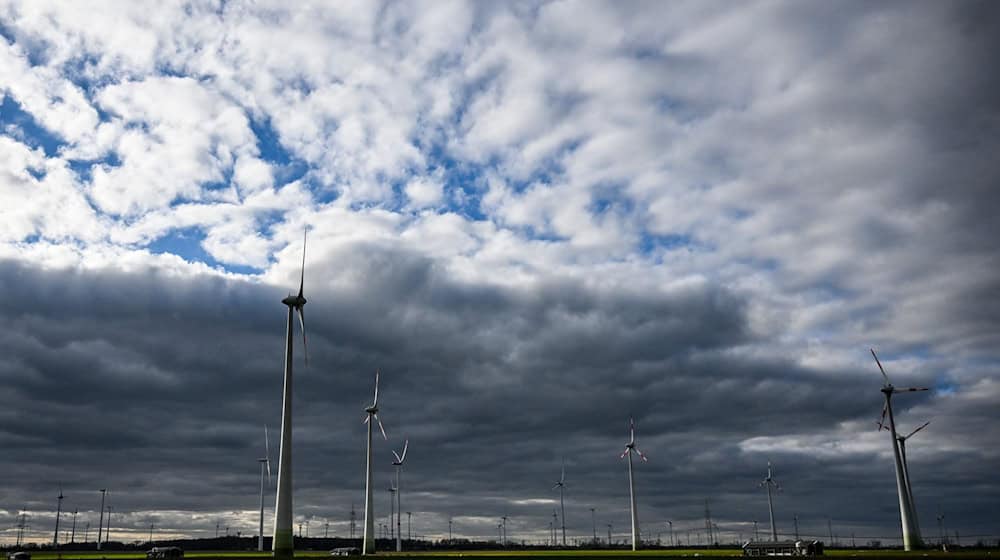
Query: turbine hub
{"x": 371, "y": 409}
{"x": 294, "y": 301}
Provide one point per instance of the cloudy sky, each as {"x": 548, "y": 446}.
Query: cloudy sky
{"x": 536, "y": 219}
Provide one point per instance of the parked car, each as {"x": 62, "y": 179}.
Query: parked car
{"x": 165, "y": 553}
{"x": 345, "y": 551}
{"x": 20, "y": 555}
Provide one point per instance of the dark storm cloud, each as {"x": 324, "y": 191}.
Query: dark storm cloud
{"x": 158, "y": 387}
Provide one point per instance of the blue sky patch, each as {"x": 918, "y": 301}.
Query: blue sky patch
{"x": 187, "y": 244}
{"x": 21, "y": 125}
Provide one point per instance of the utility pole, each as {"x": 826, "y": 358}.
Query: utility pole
{"x": 354, "y": 519}
{"x": 100, "y": 523}
{"x": 756, "y": 537}
{"x": 72, "y": 535}
{"x": 20, "y": 528}
{"x": 795, "y": 520}
{"x": 609, "y": 535}
{"x": 107, "y": 531}
{"x": 150, "y": 533}
{"x": 829, "y": 526}
{"x": 449, "y": 529}
{"x": 409, "y": 529}
{"x": 326, "y": 531}
{"x": 593, "y": 518}
{"x": 671, "y": 523}
{"x": 86, "y": 533}
{"x": 708, "y": 522}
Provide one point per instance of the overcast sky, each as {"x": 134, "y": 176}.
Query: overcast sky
{"x": 536, "y": 219}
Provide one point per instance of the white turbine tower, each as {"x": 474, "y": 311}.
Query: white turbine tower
{"x": 768, "y": 482}
{"x": 282, "y": 543}
{"x": 629, "y": 449}
{"x": 908, "y": 519}
{"x": 398, "y": 463}
{"x": 368, "y": 547}
{"x": 561, "y": 485}
{"x": 265, "y": 463}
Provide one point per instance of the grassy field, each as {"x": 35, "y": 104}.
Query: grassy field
{"x": 525, "y": 554}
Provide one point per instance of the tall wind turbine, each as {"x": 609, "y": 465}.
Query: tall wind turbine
{"x": 368, "y": 547}
{"x": 768, "y": 482}
{"x": 282, "y": 544}
{"x": 630, "y": 448}
{"x": 911, "y": 531}
{"x": 561, "y": 485}
{"x": 265, "y": 463}
{"x": 398, "y": 463}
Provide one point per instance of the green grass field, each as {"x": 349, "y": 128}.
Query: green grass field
{"x": 525, "y": 554}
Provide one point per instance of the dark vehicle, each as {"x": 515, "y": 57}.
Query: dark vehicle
{"x": 19, "y": 556}
{"x": 783, "y": 548}
{"x": 165, "y": 553}
{"x": 345, "y": 551}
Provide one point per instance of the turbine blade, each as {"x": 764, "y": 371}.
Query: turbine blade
{"x": 375, "y": 403}
{"x": 406, "y": 445}
{"x": 562, "y": 474}
{"x": 556, "y": 486}
{"x": 624, "y": 453}
{"x": 302, "y": 322}
{"x": 396, "y": 455}
{"x": 881, "y": 421}
{"x": 641, "y": 454}
{"x": 922, "y": 426}
{"x": 909, "y": 389}
{"x": 302, "y": 278}
{"x": 367, "y": 417}
{"x": 385, "y": 437}
{"x": 880, "y": 368}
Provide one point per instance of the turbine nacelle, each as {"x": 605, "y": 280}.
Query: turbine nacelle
{"x": 372, "y": 411}
{"x": 296, "y": 301}
{"x": 630, "y": 446}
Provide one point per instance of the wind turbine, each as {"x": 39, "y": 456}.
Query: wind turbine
{"x": 368, "y": 547}
{"x": 768, "y": 482}
{"x": 629, "y": 449}
{"x": 906, "y": 467}
{"x": 398, "y": 463}
{"x": 55, "y": 537}
{"x": 265, "y": 462}
{"x": 561, "y": 485}
{"x": 282, "y": 544}
{"x": 908, "y": 520}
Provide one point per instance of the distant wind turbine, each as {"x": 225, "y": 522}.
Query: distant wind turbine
{"x": 368, "y": 547}
{"x": 398, "y": 463}
{"x": 282, "y": 544}
{"x": 901, "y": 440}
{"x": 561, "y": 485}
{"x": 630, "y": 448}
{"x": 908, "y": 519}
{"x": 768, "y": 482}
{"x": 265, "y": 462}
